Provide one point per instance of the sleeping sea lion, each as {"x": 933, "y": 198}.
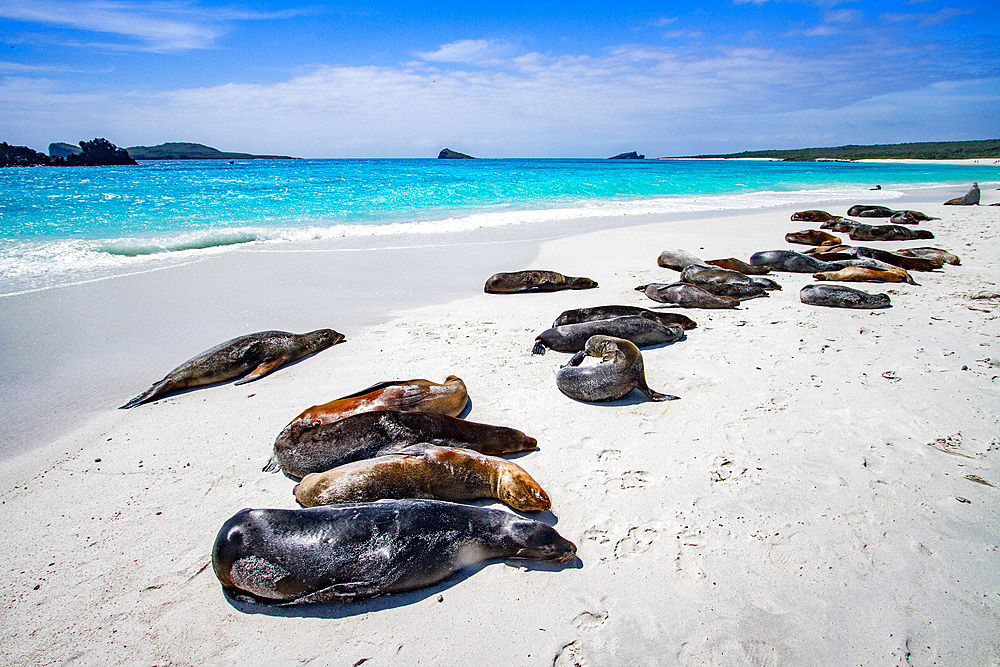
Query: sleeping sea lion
{"x": 898, "y": 259}
{"x": 812, "y": 237}
{"x": 734, "y": 264}
{"x": 677, "y": 259}
{"x": 722, "y": 282}
{"x": 766, "y": 283}
{"x": 870, "y": 211}
{"x": 887, "y": 233}
{"x": 866, "y": 275}
{"x": 842, "y": 225}
{"x": 425, "y": 471}
{"x": 642, "y": 331}
{"x": 933, "y": 254}
{"x": 366, "y": 435}
{"x": 578, "y": 315}
{"x": 251, "y": 357}
{"x": 686, "y": 295}
{"x": 908, "y": 217}
{"x": 344, "y": 553}
{"x": 813, "y": 215}
{"x": 838, "y": 296}
{"x": 788, "y": 260}
{"x": 619, "y": 373}
{"x": 970, "y": 198}
{"x": 534, "y": 281}
{"x": 448, "y": 398}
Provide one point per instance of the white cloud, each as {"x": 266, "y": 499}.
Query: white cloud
{"x": 468, "y": 51}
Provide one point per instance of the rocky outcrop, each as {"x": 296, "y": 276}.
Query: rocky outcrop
{"x": 20, "y": 156}
{"x": 98, "y": 152}
{"x": 60, "y": 149}
{"x": 448, "y": 154}
{"x": 971, "y": 198}
{"x": 628, "y": 156}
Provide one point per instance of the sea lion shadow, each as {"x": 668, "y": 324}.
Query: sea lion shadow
{"x": 465, "y": 412}
{"x": 334, "y": 610}
{"x": 635, "y": 397}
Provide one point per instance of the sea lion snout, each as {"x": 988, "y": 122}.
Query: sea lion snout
{"x": 520, "y": 491}
{"x": 538, "y": 540}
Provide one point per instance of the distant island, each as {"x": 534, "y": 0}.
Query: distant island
{"x": 179, "y": 150}
{"x": 628, "y": 156}
{"x": 924, "y": 150}
{"x": 448, "y": 154}
{"x": 95, "y": 153}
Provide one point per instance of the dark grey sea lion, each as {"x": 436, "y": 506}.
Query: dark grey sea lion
{"x": 640, "y": 330}
{"x": 766, "y": 283}
{"x": 366, "y": 435}
{"x": 934, "y": 254}
{"x": 908, "y": 217}
{"x": 578, "y": 315}
{"x": 970, "y": 198}
{"x": 534, "y": 281}
{"x": 814, "y": 237}
{"x": 734, "y": 264}
{"x": 619, "y": 373}
{"x": 251, "y": 357}
{"x": 722, "y": 282}
{"x": 841, "y": 225}
{"x": 897, "y": 259}
{"x": 677, "y": 259}
{"x": 741, "y": 291}
{"x": 862, "y": 232}
{"x": 813, "y": 215}
{"x": 344, "y": 553}
{"x": 425, "y": 471}
{"x": 788, "y": 260}
{"x": 870, "y": 211}
{"x": 686, "y": 295}
{"x": 864, "y": 262}
{"x": 837, "y": 296}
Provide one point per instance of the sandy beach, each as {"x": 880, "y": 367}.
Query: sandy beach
{"x": 824, "y": 491}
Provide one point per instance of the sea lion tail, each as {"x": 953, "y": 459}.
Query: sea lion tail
{"x": 641, "y": 288}
{"x": 657, "y": 396}
{"x": 539, "y": 348}
{"x": 271, "y": 465}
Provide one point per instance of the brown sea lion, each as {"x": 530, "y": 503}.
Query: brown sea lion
{"x": 838, "y": 296}
{"x": 812, "y": 237}
{"x": 251, "y": 357}
{"x": 970, "y": 198}
{"x": 934, "y": 254}
{"x": 640, "y": 330}
{"x": 366, "y": 435}
{"x": 887, "y": 233}
{"x": 344, "y": 553}
{"x": 578, "y": 315}
{"x": 677, "y": 259}
{"x": 862, "y": 274}
{"x": 813, "y": 215}
{"x": 870, "y": 211}
{"x": 619, "y": 373}
{"x": 734, "y": 264}
{"x": 534, "y": 281}
{"x": 816, "y": 251}
{"x": 425, "y": 471}
{"x": 448, "y": 398}
{"x": 686, "y": 295}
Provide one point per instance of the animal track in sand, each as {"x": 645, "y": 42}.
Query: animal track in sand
{"x": 638, "y": 540}
{"x": 588, "y": 620}
{"x": 725, "y": 469}
{"x": 570, "y": 655}
{"x": 609, "y": 455}
{"x": 630, "y": 479}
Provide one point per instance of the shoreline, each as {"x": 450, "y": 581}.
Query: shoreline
{"x": 787, "y": 506}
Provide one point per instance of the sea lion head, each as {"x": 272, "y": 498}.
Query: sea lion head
{"x": 582, "y": 283}
{"x": 322, "y": 339}
{"x": 524, "y": 538}
{"x": 516, "y": 488}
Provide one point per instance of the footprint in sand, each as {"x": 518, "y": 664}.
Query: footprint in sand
{"x": 688, "y": 560}
{"x": 630, "y": 479}
{"x": 638, "y": 540}
{"x": 570, "y": 655}
{"x": 588, "y": 620}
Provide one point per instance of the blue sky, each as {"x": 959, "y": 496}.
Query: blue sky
{"x": 533, "y": 79}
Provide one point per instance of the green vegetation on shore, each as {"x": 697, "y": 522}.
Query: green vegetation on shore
{"x": 180, "y": 150}
{"x": 923, "y": 150}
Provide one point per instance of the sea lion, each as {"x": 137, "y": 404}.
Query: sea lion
{"x": 813, "y": 237}
{"x": 577, "y": 315}
{"x": 251, "y": 357}
{"x": 838, "y": 296}
{"x": 425, "y": 471}
{"x": 741, "y": 291}
{"x": 862, "y": 274}
{"x": 642, "y": 331}
{"x": 870, "y": 211}
{"x": 343, "y": 553}
{"x": 933, "y": 254}
{"x": 534, "y": 281}
{"x": 366, "y": 435}
{"x": 619, "y": 373}
{"x": 897, "y": 259}
{"x": 723, "y": 282}
{"x": 864, "y": 262}
{"x": 677, "y": 259}
{"x": 841, "y": 225}
{"x": 813, "y": 215}
{"x": 686, "y": 295}
{"x": 766, "y": 283}
{"x": 862, "y": 232}
{"x": 788, "y": 260}
{"x": 734, "y": 264}
{"x": 448, "y": 398}
{"x": 970, "y": 198}
{"x": 908, "y": 217}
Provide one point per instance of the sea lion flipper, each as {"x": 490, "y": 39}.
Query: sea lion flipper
{"x": 539, "y": 347}
{"x": 657, "y": 396}
{"x": 346, "y": 592}
{"x": 263, "y": 369}
{"x": 577, "y": 358}
{"x": 374, "y": 387}
{"x": 271, "y": 465}
{"x": 147, "y": 395}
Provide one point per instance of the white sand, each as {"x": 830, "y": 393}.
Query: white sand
{"x": 799, "y": 505}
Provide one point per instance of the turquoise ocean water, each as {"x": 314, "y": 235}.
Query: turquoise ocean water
{"x": 60, "y": 225}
